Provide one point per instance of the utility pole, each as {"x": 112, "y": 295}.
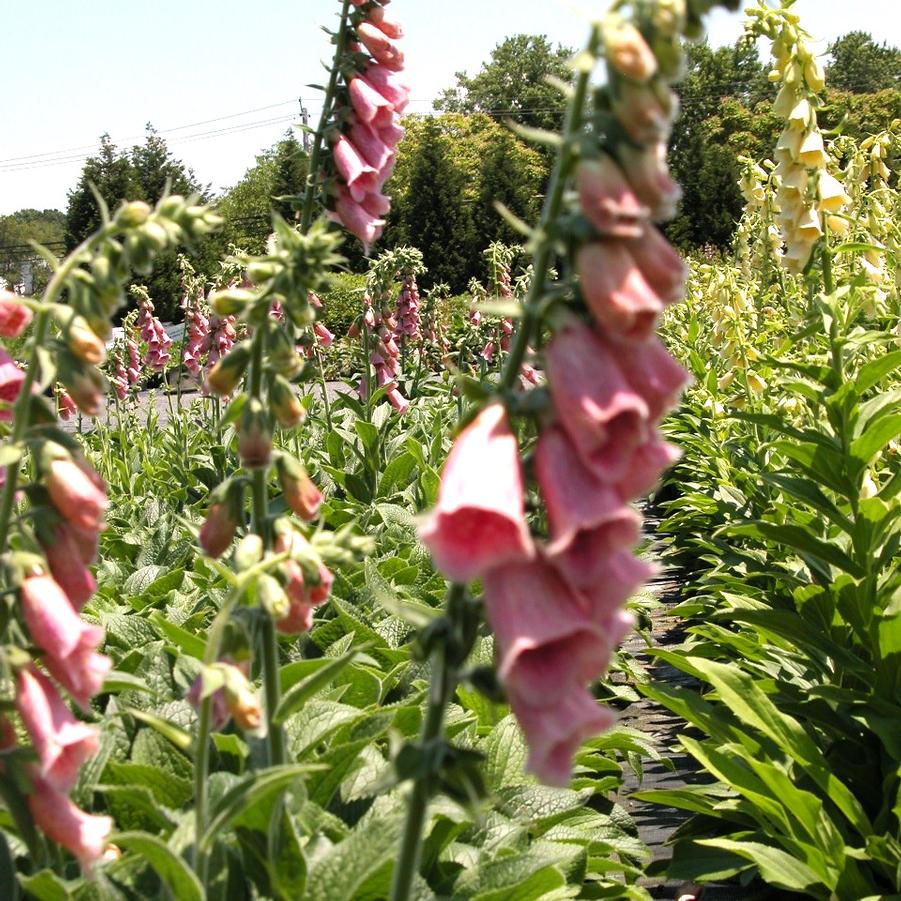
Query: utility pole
{"x": 305, "y": 118}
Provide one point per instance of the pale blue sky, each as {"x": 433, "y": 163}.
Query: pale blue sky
{"x": 74, "y": 70}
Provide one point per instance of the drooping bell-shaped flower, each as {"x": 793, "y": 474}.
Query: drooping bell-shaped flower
{"x": 607, "y": 199}
{"x": 83, "y": 834}
{"x": 581, "y": 509}
{"x": 479, "y": 521}
{"x": 61, "y": 742}
{"x": 650, "y": 369}
{"x": 15, "y": 317}
{"x": 615, "y": 290}
{"x": 603, "y": 416}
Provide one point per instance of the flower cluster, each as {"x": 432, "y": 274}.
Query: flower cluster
{"x": 807, "y": 192}
{"x": 407, "y": 313}
{"x": 47, "y": 644}
{"x": 53, "y": 593}
{"x": 383, "y": 357}
{"x": 555, "y": 602}
{"x": 197, "y": 327}
{"x": 152, "y": 333}
{"x": 364, "y": 146}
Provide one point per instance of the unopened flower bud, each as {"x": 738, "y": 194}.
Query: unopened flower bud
{"x": 272, "y": 597}
{"x": 284, "y": 356}
{"x": 241, "y": 700}
{"x": 218, "y": 530}
{"x": 248, "y": 552}
{"x": 627, "y": 51}
{"x": 83, "y": 342}
{"x": 301, "y": 495}
{"x": 133, "y": 213}
{"x": 255, "y": 438}
{"x": 223, "y": 378}
{"x": 285, "y": 404}
{"x": 231, "y": 301}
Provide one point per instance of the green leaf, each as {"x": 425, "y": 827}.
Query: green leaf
{"x": 414, "y": 613}
{"x": 117, "y": 681}
{"x": 877, "y": 435}
{"x": 178, "y": 736}
{"x": 872, "y": 373}
{"x": 192, "y": 645}
{"x": 300, "y": 693}
{"x": 47, "y": 886}
{"x": 775, "y": 866}
{"x": 253, "y": 789}
{"x": 172, "y": 869}
{"x": 800, "y": 539}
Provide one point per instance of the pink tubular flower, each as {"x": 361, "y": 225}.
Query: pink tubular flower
{"x": 15, "y": 317}
{"x": 652, "y": 372}
{"x": 554, "y": 733}
{"x": 616, "y": 292}
{"x": 608, "y": 201}
{"x": 479, "y": 521}
{"x": 604, "y": 418}
{"x": 77, "y": 493}
{"x": 397, "y": 400}
{"x": 61, "y": 821}
{"x": 361, "y": 178}
{"x": 66, "y": 406}
{"x": 370, "y": 106}
{"x": 545, "y": 640}
{"x": 357, "y": 220}
{"x": 383, "y": 50}
{"x": 62, "y": 743}
{"x": 377, "y": 16}
{"x": 65, "y": 558}
{"x": 645, "y": 468}
{"x": 581, "y": 509}
{"x": 11, "y": 379}
{"x": 649, "y": 176}
{"x": 660, "y": 264}
{"x": 323, "y": 335}
{"x": 385, "y": 81}
{"x": 550, "y": 643}
{"x": 68, "y": 643}
{"x": 370, "y": 145}
{"x": 120, "y": 380}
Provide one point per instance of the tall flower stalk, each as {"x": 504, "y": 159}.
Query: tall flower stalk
{"x": 47, "y": 647}
{"x": 554, "y": 595}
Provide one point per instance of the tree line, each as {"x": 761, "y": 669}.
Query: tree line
{"x": 454, "y": 165}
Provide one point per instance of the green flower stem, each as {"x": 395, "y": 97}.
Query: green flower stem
{"x": 367, "y": 369}
{"x": 268, "y": 641}
{"x": 309, "y": 196}
{"x": 551, "y": 210}
{"x": 441, "y": 689}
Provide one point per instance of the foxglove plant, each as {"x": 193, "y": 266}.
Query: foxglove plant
{"x": 359, "y": 127}
{"x": 46, "y": 645}
{"x": 151, "y": 331}
{"x": 554, "y": 599}
{"x": 807, "y": 192}
{"x": 280, "y": 572}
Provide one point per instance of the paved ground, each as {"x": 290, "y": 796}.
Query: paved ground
{"x": 161, "y": 402}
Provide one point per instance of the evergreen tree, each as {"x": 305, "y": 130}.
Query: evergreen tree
{"x": 435, "y": 216}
